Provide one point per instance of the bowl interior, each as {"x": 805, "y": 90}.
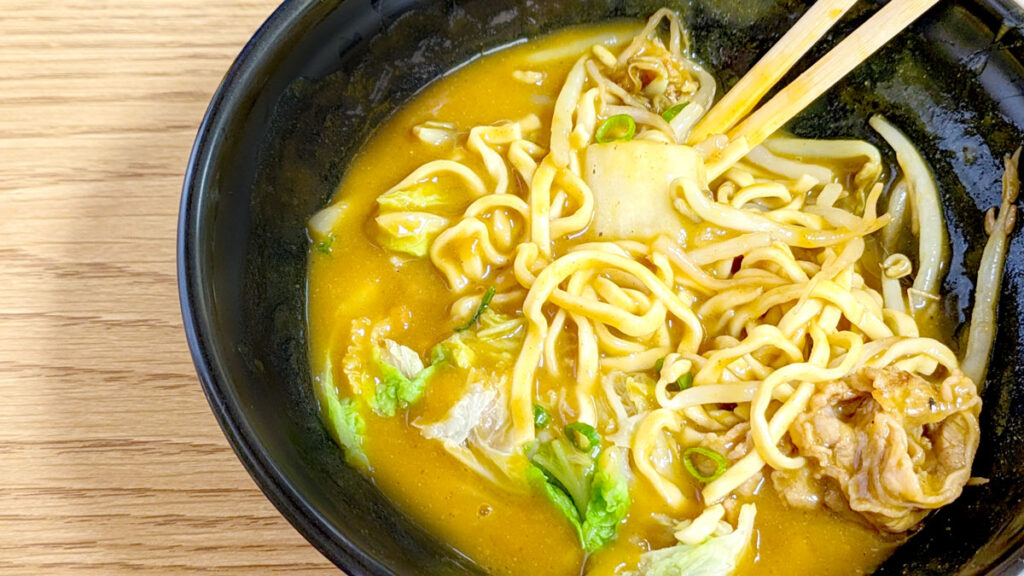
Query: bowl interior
{"x": 320, "y": 75}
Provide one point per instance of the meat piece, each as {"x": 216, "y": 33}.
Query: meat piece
{"x": 733, "y": 443}
{"x": 798, "y": 488}
{"x": 893, "y": 444}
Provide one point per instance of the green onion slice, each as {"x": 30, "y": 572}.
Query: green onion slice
{"x": 674, "y": 111}
{"x": 324, "y": 246}
{"x": 541, "y": 418}
{"x": 618, "y": 128}
{"x": 720, "y": 463}
{"x": 584, "y": 437}
{"x": 484, "y": 303}
{"x": 659, "y": 364}
{"x": 685, "y": 381}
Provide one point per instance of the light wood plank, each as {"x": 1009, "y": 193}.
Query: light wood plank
{"x": 110, "y": 459}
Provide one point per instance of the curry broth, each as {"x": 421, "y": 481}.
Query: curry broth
{"x": 506, "y": 533}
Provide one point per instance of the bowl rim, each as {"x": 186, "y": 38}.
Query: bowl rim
{"x": 195, "y": 296}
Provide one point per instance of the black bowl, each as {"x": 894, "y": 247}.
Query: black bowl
{"x": 319, "y": 76}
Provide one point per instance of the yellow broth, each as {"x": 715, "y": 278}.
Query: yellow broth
{"x": 506, "y": 533}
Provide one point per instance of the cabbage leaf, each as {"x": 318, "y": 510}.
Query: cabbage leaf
{"x": 557, "y": 496}
{"x": 410, "y": 232}
{"x": 609, "y": 501}
{"x": 566, "y": 468}
{"x": 454, "y": 350}
{"x": 322, "y": 225}
{"x": 719, "y": 555}
{"x": 496, "y": 340}
{"x": 632, "y": 187}
{"x": 349, "y": 427}
{"x": 403, "y": 378}
{"x": 588, "y": 484}
{"x": 464, "y": 417}
{"x": 477, "y": 429}
{"x": 343, "y": 418}
{"x": 425, "y": 195}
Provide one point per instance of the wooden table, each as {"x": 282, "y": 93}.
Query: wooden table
{"x": 110, "y": 459}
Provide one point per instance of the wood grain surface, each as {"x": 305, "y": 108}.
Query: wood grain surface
{"x": 110, "y": 459}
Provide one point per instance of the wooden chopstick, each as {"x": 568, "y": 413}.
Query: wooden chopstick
{"x": 742, "y": 98}
{"x": 823, "y": 74}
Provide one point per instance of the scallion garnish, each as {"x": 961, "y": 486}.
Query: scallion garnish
{"x": 541, "y": 418}
{"x": 685, "y": 381}
{"x": 720, "y": 463}
{"x": 584, "y": 437}
{"x": 324, "y": 246}
{"x": 674, "y": 111}
{"x": 659, "y": 364}
{"x": 484, "y": 303}
{"x": 618, "y": 128}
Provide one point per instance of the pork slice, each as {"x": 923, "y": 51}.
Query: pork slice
{"x": 896, "y": 445}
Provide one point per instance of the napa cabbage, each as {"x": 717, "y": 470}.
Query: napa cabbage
{"x": 609, "y": 501}
{"x": 719, "y": 555}
{"x": 426, "y": 195}
{"x": 587, "y": 484}
{"x": 343, "y": 419}
{"x": 477, "y": 429}
{"x": 384, "y": 373}
{"x": 494, "y": 339}
{"x": 403, "y": 377}
{"x": 468, "y": 413}
{"x": 323, "y": 224}
{"x": 409, "y": 232}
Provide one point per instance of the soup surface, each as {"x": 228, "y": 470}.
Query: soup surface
{"x": 378, "y": 291}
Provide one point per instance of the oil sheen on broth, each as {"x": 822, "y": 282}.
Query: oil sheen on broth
{"x": 509, "y": 527}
